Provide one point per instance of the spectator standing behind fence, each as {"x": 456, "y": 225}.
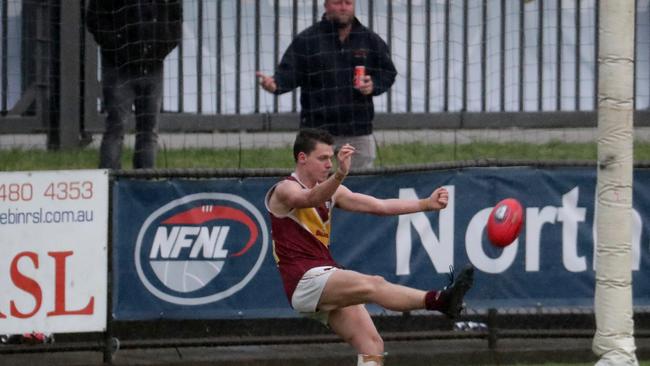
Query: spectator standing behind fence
{"x": 321, "y": 60}
{"x": 134, "y": 36}
{"x": 300, "y": 207}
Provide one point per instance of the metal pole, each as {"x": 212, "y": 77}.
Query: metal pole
{"x": 445, "y": 86}
{"x": 522, "y": 50}
{"x": 68, "y": 121}
{"x": 238, "y": 58}
{"x": 219, "y": 52}
{"x": 540, "y": 55}
{"x": 199, "y": 58}
{"x": 427, "y": 57}
{"x": 484, "y": 56}
{"x": 493, "y": 332}
{"x": 409, "y": 54}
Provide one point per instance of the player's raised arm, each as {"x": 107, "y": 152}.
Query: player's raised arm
{"x": 313, "y": 186}
{"x": 359, "y": 202}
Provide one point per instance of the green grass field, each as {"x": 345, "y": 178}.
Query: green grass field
{"x": 390, "y": 155}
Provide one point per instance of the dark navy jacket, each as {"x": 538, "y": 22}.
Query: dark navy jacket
{"x": 134, "y": 34}
{"x": 323, "y": 67}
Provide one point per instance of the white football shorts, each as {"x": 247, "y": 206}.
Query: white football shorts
{"x": 310, "y": 287}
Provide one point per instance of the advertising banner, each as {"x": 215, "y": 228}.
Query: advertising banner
{"x": 54, "y": 232}
{"x": 202, "y": 249}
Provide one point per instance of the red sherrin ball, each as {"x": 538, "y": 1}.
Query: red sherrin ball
{"x": 505, "y": 222}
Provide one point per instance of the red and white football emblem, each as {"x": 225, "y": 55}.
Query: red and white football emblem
{"x": 505, "y": 222}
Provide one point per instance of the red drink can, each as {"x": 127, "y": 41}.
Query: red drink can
{"x": 359, "y": 73}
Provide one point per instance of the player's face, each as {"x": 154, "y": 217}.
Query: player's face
{"x": 340, "y": 11}
{"x": 319, "y": 161}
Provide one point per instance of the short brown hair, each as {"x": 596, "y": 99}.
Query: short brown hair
{"x": 307, "y": 138}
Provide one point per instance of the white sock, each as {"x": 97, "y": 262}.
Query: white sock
{"x": 370, "y": 360}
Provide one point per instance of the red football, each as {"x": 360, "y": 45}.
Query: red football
{"x": 505, "y": 222}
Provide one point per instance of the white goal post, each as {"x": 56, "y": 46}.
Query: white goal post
{"x": 614, "y": 338}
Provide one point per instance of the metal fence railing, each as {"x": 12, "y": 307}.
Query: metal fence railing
{"x": 461, "y": 64}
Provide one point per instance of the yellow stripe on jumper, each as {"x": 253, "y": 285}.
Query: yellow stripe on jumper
{"x": 310, "y": 220}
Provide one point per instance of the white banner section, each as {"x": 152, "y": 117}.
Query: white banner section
{"x": 53, "y": 238}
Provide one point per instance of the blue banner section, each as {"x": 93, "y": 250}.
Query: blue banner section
{"x": 202, "y": 249}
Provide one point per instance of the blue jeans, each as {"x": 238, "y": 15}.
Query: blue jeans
{"x": 122, "y": 92}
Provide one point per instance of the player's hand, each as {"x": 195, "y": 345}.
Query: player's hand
{"x": 266, "y": 82}
{"x": 365, "y": 85}
{"x": 344, "y": 158}
{"x": 438, "y": 199}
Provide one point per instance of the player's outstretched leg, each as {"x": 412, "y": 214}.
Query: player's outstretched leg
{"x": 449, "y": 301}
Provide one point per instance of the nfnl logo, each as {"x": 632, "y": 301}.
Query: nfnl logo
{"x": 185, "y": 245}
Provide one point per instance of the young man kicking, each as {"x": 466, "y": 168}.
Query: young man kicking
{"x": 300, "y": 207}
